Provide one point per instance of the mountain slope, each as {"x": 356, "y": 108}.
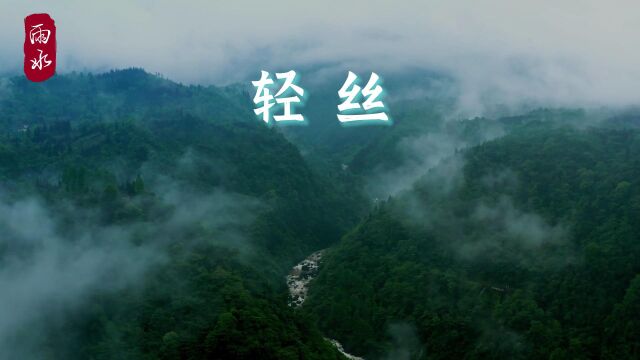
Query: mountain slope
{"x": 522, "y": 247}
{"x": 153, "y": 232}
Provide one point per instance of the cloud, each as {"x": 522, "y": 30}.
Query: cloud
{"x": 46, "y": 272}
{"x": 55, "y": 257}
{"x": 405, "y": 343}
{"x": 223, "y": 215}
{"x": 574, "y": 53}
{"x": 529, "y": 230}
{"x": 419, "y": 154}
{"x": 491, "y": 226}
{"x": 422, "y": 153}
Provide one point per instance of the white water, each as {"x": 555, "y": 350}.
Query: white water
{"x": 300, "y": 276}
{"x": 298, "y": 283}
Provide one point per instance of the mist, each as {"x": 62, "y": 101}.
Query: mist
{"x": 574, "y": 53}
{"x": 51, "y": 266}
{"x": 46, "y": 272}
{"x": 420, "y": 153}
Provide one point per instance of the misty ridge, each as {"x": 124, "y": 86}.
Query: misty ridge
{"x": 161, "y": 212}
{"x": 146, "y": 213}
{"x": 497, "y": 53}
{"x": 158, "y": 219}
{"x": 58, "y": 256}
{"x": 491, "y": 226}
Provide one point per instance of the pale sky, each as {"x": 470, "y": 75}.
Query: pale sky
{"x": 555, "y": 52}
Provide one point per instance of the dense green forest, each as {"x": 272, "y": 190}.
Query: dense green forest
{"x": 522, "y": 247}
{"x": 144, "y": 219}
{"x": 217, "y": 210}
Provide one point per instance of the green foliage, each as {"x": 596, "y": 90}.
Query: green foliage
{"x": 211, "y": 312}
{"x": 529, "y": 251}
{"x": 461, "y": 268}
{"x": 106, "y": 147}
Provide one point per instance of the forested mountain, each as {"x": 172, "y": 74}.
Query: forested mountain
{"x": 113, "y": 96}
{"x": 522, "y": 247}
{"x": 141, "y": 218}
{"x": 161, "y": 218}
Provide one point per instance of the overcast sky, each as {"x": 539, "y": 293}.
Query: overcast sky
{"x": 557, "y": 52}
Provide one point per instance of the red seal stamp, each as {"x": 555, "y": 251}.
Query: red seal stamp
{"x": 39, "y": 47}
